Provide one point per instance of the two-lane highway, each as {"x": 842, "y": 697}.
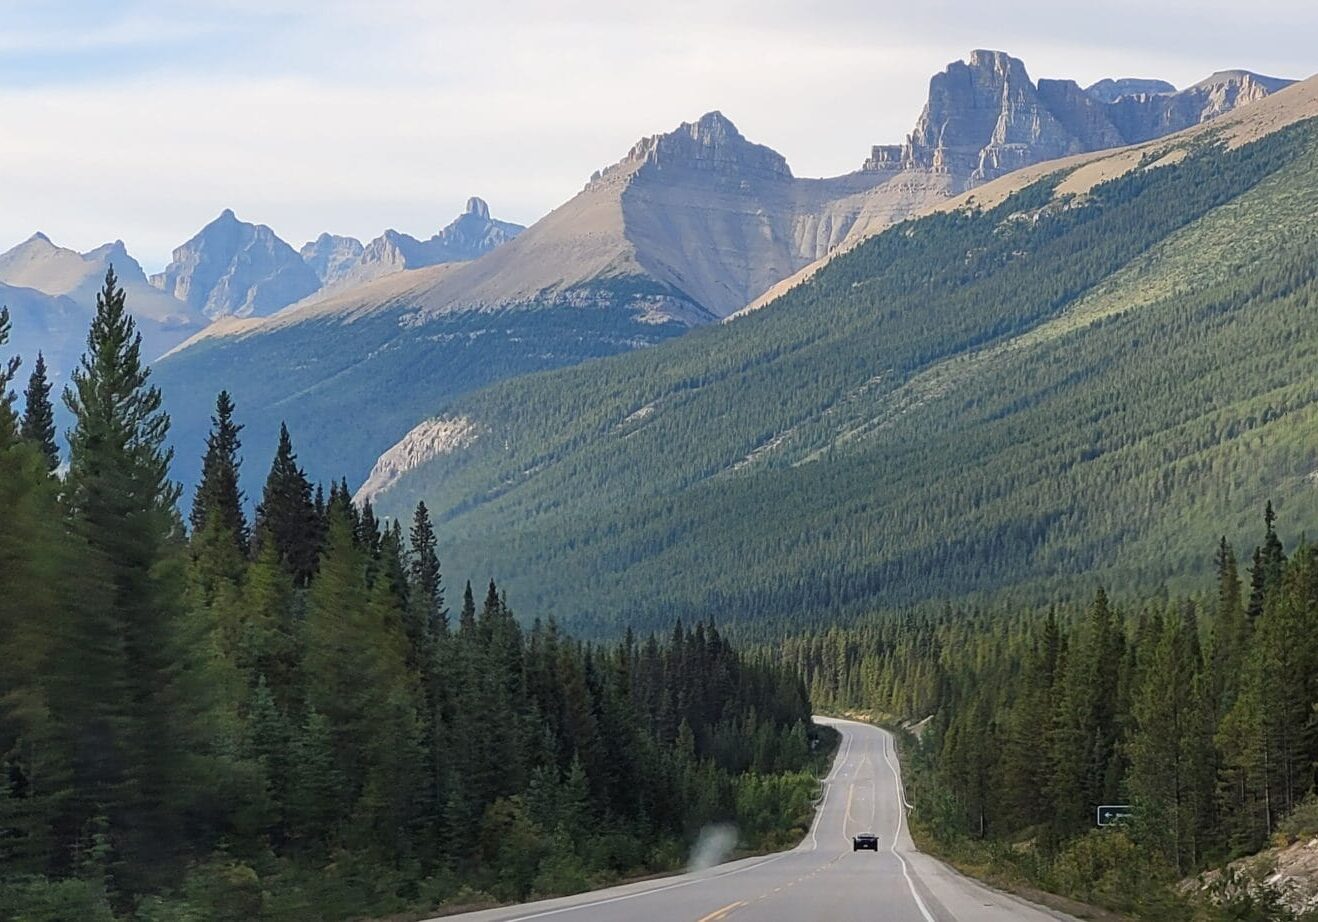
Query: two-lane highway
{"x": 820, "y": 879}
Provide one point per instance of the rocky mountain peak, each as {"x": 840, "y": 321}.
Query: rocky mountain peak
{"x": 343, "y": 260}
{"x": 233, "y": 268}
{"x": 330, "y": 255}
{"x": 1110, "y": 90}
{"x": 712, "y": 144}
{"x": 986, "y": 117}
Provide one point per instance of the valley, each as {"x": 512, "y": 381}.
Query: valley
{"x": 930, "y": 539}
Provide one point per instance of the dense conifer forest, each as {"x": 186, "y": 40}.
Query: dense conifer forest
{"x": 297, "y": 718}
{"x": 1200, "y": 712}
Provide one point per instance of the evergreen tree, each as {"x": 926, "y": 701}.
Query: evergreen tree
{"x": 218, "y": 498}
{"x": 39, "y": 415}
{"x": 287, "y": 515}
{"x": 427, "y": 587}
{"x": 38, "y": 680}
{"x": 9, "y": 367}
{"x": 121, "y": 504}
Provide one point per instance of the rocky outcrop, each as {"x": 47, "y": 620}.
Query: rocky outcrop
{"x": 712, "y": 144}
{"x": 341, "y": 261}
{"x": 986, "y": 117}
{"x": 235, "y": 269}
{"x": 331, "y": 257}
{"x": 1110, "y": 90}
{"x": 51, "y": 292}
{"x": 423, "y": 444}
{"x": 1143, "y": 118}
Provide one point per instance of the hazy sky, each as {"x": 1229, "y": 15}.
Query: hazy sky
{"x": 142, "y": 121}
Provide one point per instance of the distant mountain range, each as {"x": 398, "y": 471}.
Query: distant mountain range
{"x": 685, "y": 230}
{"x": 230, "y": 268}
{"x": 51, "y": 295}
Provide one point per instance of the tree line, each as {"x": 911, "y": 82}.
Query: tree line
{"x": 1197, "y": 712}
{"x": 211, "y": 717}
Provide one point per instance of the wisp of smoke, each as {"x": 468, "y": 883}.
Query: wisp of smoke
{"x": 714, "y": 845}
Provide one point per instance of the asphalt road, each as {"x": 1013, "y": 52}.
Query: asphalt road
{"x": 820, "y": 879}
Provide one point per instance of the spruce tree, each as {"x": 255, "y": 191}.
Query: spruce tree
{"x": 41, "y": 671}
{"x": 39, "y": 415}
{"x": 219, "y": 499}
{"x": 122, "y": 506}
{"x": 9, "y": 367}
{"x": 287, "y": 515}
{"x": 427, "y": 587}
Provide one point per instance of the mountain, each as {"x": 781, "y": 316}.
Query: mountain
{"x": 342, "y": 261}
{"x": 986, "y": 117}
{"x": 233, "y": 268}
{"x": 331, "y": 257}
{"x": 1110, "y": 90}
{"x": 685, "y": 230}
{"x": 51, "y": 293}
{"x": 1088, "y": 366}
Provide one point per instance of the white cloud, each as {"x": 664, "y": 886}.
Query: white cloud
{"x": 352, "y": 117}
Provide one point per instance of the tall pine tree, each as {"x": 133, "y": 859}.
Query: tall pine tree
{"x": 287, "y": 515}
{"x": 39, "y": 415}
{"x": 219, "y": 500}
{"x": 122, "y": 505}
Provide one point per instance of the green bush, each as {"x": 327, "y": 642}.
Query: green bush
{"x": 1303, "y": 821}
{"x": 36, "y": 899}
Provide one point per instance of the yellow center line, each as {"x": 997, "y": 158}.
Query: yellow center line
{"x": 721, "y": 913}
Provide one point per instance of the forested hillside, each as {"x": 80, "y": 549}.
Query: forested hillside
{"x": 1196, "y": 711}
{"x": 317, "y": 374}
{"x": 1072, "y": 381}
{"x": 283, "y": 720}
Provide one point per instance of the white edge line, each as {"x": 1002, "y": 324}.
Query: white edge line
{"x": 901, "y": 816}
{"x": 828, "y": 787}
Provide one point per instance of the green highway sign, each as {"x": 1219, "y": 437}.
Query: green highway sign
{"x": 1112, "y": 814}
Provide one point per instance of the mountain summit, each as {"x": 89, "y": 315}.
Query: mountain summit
{"x": 986, "y": 117}
{"x": 340, "y": 262}
{"x": 233, "y": 268}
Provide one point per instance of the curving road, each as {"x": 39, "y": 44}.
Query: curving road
{"x": 820, "y": 879}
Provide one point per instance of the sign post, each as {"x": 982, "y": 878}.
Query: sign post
{"x": 1113, "y": 814}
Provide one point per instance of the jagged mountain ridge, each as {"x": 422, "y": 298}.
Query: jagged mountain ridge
{"x": 51, "y": 294}
{"x": 986, "y": 116}
{"x": 233, "y": 268}
{"x": 343, "y": 261}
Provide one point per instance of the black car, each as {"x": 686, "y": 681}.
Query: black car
{"x": 865, "y": 840}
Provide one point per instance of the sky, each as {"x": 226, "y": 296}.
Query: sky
{"x": 142, "y": 121}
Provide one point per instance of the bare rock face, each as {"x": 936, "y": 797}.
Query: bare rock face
{"x": 1143, "y": 118}
{"x": 340, "y": 261}
{"x": 331, "y": 256}
{"x": 712, "y": 145}
{"x": 983, "y": 111}
{"x": 427, "y": 441}
{"x": 986, "y": 117}
{"x": 1110, "y": 90}
{"x": 235, "y": 269}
